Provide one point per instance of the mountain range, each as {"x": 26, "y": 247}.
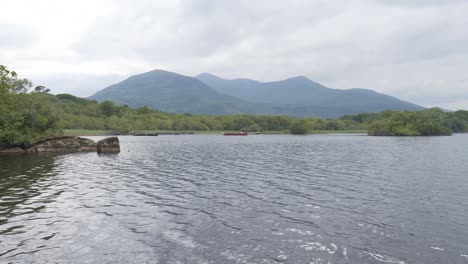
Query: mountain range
{"x": 210, "y": 94}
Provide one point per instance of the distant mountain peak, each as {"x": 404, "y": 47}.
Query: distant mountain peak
{"x": 299, "y": 78}
{"x": 209, "y": 76}
{"x": 155, "y": 73}
{"x": 160, "y": 71}
{"x": 206, "y": 74}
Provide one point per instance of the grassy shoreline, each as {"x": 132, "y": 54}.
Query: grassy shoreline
{"x": 84, "y": 132}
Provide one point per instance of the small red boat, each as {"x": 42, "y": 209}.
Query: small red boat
{"x": 236, "y": 134}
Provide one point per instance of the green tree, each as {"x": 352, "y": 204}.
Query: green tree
{"x": 11, "y": 83}
{"x": 428, "y": 122}
{"x": 108, "y": 108}
{"x": 23, "y": 117}
{"x": 298, "y": 127}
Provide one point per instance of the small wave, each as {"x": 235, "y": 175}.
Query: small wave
{"x": 438, "y": 248}
{"x": 314, "y": 246}
{"x": 301, "y": 232}
{"x": 386, "y": 259}
{"x": 345, "y": 252}
{"x": 180, "y": 239}
{"x": 330, "y": 249}
{"x": 277, "y": 233}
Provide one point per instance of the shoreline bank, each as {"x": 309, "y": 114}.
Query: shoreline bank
{"x": 84, "y": 132}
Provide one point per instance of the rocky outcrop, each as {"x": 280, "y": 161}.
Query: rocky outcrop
{"x": 11, "y": 150}
{"x": 108, "y": 145}
{"x": 65, "y": 144}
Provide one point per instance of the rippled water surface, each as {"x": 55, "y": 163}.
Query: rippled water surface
{"x": 254, "y": 199}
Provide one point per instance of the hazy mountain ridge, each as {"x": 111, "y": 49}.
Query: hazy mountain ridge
{"x": 300, "y": 91}
{"x": 209, "y": 94}
{"x": 172, "y": 92}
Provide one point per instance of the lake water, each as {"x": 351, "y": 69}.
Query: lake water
{"x": 254, "y": 199}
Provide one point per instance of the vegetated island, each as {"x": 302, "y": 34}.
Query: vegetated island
{"x": 27, "y": 117}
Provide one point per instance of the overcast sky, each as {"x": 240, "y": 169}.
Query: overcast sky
{"x": 416, "y": 50}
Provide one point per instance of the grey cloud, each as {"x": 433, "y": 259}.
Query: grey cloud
{"x": 15, "y": 36}
{"x": 403, "y": 48}
{"x": 421, "y": 3}
{"x": 198, "y": 29}
{"x": 82, "y": 85}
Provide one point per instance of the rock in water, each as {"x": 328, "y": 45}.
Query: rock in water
{"x": 108, "y": 145}
{"x": 63, "y": 144}
{"x": 11, "y": 150}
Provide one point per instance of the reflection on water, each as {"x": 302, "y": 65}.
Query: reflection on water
{"x": 255, "y": 199}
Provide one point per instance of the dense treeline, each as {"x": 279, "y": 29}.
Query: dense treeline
{"x": 432, "y": 121}
{"x": 79, "y": 113}
{"x": 26, "y": 116}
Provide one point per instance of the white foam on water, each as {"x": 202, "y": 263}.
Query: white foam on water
{"x": 257, "y": 248}
{"x": 277, "y": 233}
{"x": 314, "y": 246}
{"x": 464, "y": 256}
{"x": 292, "y": 240}
{"x": 180, "y": 239}
{"x": 438, "y": 248}
{"x": 238, "y": 258}
{"x": 386, "y": 259}
{"x": 315, "y": 261}
{"x": 282, "y": 257}
{"x": 345, "y": 252}
{"x": 319, "y": 261}
{"x": 301, "y": 232}
{"x": 332, "y": 249}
